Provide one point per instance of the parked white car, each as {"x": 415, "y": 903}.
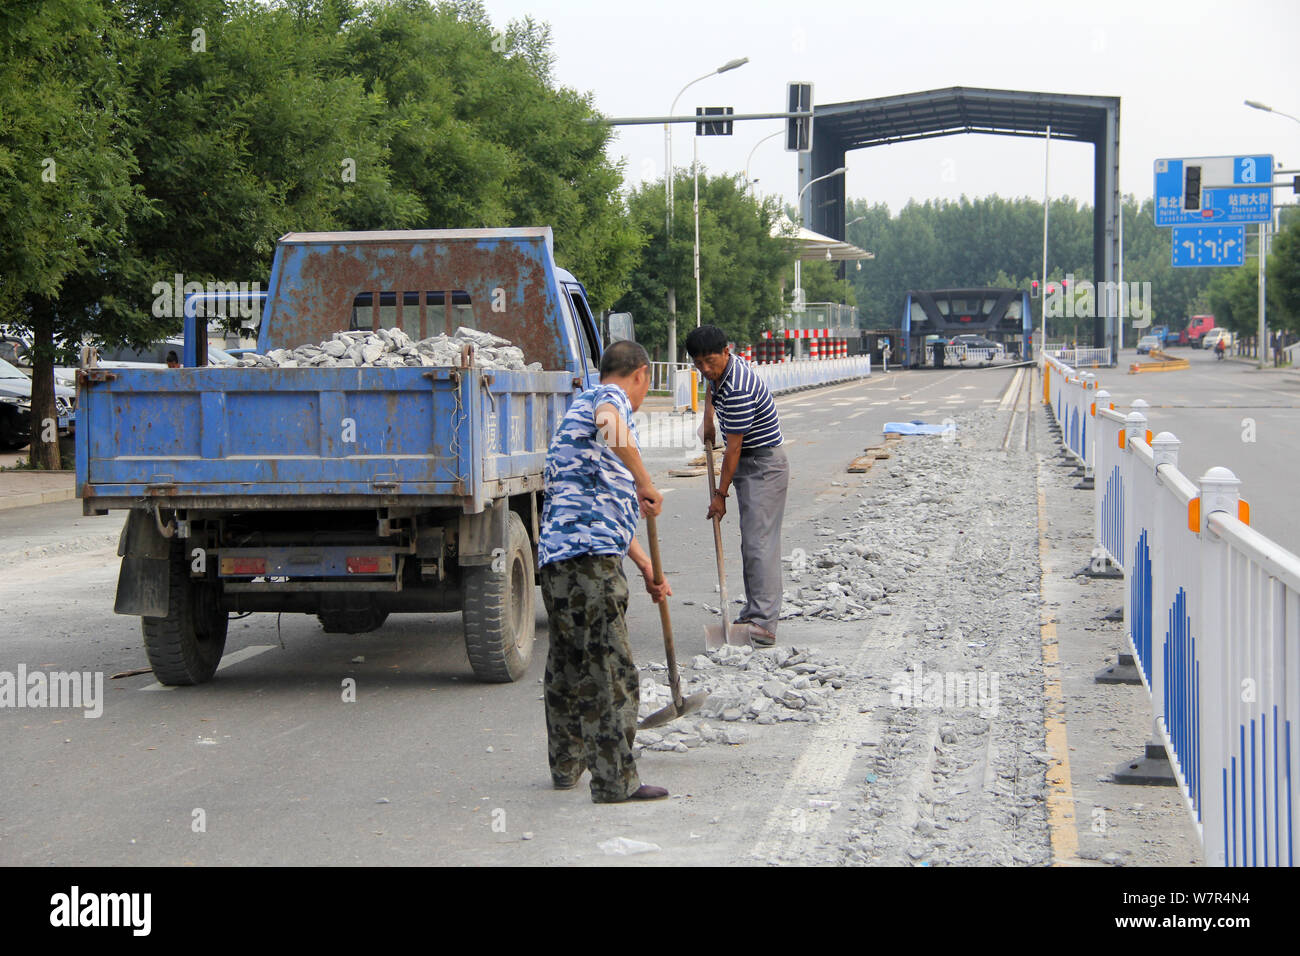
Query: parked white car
{"x": 156, "y": 355}
{"x": 1214, "y": 336}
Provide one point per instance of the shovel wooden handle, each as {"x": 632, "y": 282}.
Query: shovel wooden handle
{"x": 674, "y": 682}
{"x": 717, "y": 540}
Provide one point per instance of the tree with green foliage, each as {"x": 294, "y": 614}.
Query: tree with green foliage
{"x": 741, "y": 263}
{"x": 997, "y": 242}
{"x": 66, "y": 168}
{"x": 1284, "y": 278}
{"x": 144, "y": 139}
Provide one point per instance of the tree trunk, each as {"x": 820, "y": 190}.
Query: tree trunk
{"x": 45, "y": 429}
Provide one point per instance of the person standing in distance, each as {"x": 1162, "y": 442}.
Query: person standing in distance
{"x": 596, "y": 488}
{"x": 754, "y": 464}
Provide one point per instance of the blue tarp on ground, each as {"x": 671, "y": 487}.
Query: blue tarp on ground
{"x": 918, "y": 428}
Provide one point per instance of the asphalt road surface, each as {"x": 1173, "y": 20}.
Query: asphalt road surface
{"x": 270, "y": 763}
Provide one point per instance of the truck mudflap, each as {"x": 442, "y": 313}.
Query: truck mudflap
{"x": 142, "y": 587}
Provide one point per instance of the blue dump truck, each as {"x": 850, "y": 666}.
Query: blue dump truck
{"x": 350, "y": 493}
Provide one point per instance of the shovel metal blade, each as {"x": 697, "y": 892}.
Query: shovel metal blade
{"x": 737, "y": 635}
{"x": 670, "y": 713}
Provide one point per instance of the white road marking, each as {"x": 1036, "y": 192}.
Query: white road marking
{"x": 229, "y": 660}
{"x": 863, "y": 412}
{"x": 794, "y": 827}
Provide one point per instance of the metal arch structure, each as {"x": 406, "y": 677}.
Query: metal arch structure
{"x": 840, "y": 127}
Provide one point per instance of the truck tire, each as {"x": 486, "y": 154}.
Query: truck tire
{"x": 185, "y": 647}
{"x": 498, "y": 610}
{"x": 360, "y": 621}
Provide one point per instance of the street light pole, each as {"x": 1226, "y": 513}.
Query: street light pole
{"x": 668, "y": 197}
{"x": 1256, "y": 105}
{"x": 1263, "y": 246}
{"x": 845, "y": 264}
{"x": 1042, "y": 292}
{"x": 798, "y": 262}
{"x": 749, "y": 182}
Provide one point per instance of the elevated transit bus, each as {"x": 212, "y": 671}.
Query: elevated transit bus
{"x": 1002, "y": 315}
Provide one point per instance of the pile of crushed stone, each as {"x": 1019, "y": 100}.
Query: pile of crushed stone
{"x": 762, "y": 686}
{"x": 872, "y": 563}
{"x": 393, "y": 348}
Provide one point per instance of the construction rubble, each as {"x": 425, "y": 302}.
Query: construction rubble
{"x": 393, "y": 348}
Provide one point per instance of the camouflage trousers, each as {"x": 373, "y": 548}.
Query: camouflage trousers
{"x": 592, "y": 691}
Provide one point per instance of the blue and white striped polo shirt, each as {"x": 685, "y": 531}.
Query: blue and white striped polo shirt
{"x": 744, "y": 406}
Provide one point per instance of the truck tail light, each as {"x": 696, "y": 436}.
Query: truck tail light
{"x": 370, "y": 564}
{"x": 243, "y": 567}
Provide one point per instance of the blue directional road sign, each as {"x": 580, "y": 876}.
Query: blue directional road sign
{"x": 1227, "y": 196}
{"x": 1209, "y": 245}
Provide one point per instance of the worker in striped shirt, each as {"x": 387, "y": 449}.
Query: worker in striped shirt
{"x": 754, "y": 464}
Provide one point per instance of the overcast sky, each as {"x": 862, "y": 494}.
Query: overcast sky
{"x": 1182, "y": 70}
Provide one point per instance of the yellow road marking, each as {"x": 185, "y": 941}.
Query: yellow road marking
{"x": 1060, "y": 792}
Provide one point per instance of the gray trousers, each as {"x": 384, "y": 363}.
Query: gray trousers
{"x": 761, "y": 484}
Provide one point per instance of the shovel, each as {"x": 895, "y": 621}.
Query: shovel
{"x": 715, "y": 635}
{"x": 679, "y": 707}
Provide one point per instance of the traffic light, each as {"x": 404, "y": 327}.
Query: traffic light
{"x": 1065, "y": 286}
{"x": 798, "y": 132}
{"x": 1033, "y": 289}
{"x": 1191, "y": 188}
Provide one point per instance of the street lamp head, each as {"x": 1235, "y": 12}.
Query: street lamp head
{"x": 1256, "y": 105}
{"x": 733, "y": 64}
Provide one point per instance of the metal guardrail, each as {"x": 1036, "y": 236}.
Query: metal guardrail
{"x": 1080, "y": 358}
{"x": 663, "y": 375}
{"x": 1212, "y": 613}
{"x": 790, "y": 376}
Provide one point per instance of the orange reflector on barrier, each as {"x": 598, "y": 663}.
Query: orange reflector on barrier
{"x": 1194, "y": 516}
{"x": 1148, "y": 436}
{"x": 1243, "y": 511}
{"x": 1093, "y": 411}
{"x": 1123, "y": 440}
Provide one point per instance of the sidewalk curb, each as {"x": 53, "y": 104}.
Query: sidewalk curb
{"x": 28, "y": 499}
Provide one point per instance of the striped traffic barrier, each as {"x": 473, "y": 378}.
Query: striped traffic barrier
{"x": 1212, "y": 623}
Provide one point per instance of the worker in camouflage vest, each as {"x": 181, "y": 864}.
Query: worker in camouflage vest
{"x": 596, "y": 488}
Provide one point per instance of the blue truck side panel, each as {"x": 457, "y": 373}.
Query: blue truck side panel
{"x": 251, "y": 433}
{"x": 222, "y": 431}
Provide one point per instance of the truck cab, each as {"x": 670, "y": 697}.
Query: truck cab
{"x": 1196, "y": 329}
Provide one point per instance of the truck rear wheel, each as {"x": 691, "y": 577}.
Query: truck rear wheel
{"x": 185, "y": 647}
{"x": 498, "y": 610}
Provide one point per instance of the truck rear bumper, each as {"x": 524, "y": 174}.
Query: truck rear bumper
{"x": 97, "y": 499}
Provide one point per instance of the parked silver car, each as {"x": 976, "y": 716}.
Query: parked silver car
{"x": 16, "y": 407}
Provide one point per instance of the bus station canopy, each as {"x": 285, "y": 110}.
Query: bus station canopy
{"x": 810, "y": 246}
